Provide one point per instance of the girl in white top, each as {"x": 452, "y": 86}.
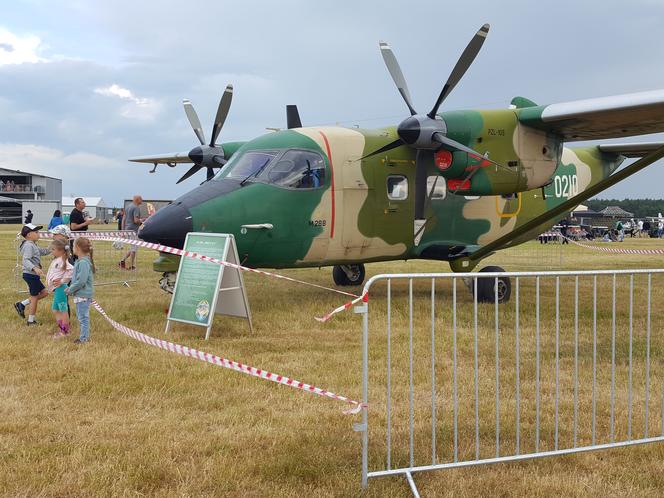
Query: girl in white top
{"x": 58, "y": 276}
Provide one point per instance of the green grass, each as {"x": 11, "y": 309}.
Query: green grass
{"x": 119, "y": 418}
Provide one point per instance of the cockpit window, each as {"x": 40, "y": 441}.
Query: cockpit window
{"x": 249, "y": 164}
{"x": 298, "y": 169}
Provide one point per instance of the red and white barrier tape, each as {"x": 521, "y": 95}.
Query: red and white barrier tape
{"x": 202, "y": 257}
{"x": 113, "y": 237}
{"x": 364, "y": 298}
{"x": 616, "y": 250}
{"x": 75, "y": 235}
{"x": 226, "y": 363}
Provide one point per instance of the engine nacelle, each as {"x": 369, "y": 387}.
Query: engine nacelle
{"x": 528, "y": 157}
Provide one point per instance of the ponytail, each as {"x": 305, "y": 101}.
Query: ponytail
{"x": 92, "y": 260}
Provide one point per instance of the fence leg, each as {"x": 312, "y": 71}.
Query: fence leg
{"x": 412, "y": 485}
{"x": 363, "y": 426}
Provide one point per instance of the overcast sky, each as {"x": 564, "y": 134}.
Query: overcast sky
{"x": 86, "y": 84}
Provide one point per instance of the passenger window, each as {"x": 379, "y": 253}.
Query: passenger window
{"x": 298, "y": 169}
{"x": 397, "y": 187}
{"x": 436, "y": 188}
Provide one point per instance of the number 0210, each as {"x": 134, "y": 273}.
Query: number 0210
{"x": 566, "y": 186}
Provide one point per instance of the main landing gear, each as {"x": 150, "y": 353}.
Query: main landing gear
{"x": 348, "y": 275}
{"x": 487, "y": 288}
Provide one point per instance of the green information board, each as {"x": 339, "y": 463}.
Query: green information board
{"x": 203, "y": 289}
{"x": 197, "y": 285}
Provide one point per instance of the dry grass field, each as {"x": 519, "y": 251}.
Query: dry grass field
{"x": 118, "y": 418}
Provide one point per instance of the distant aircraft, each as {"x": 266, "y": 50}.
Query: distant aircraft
{"x": 452, "y": 186}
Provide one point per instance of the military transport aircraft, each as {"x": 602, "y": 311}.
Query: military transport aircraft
{"x": 453, "y": 186}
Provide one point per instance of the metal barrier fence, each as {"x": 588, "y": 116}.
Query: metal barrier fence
{"x": 456, "y": 379}
{"x": 107, "y": 257}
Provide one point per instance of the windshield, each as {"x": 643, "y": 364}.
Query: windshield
{"x": 248, "y": 164}
{"x": 298, "y": 169}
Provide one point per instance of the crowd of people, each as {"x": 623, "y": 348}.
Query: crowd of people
{"x": 567, "y": 229}
{"x": 10, "y": 186}
{"x": 70, "y": 275}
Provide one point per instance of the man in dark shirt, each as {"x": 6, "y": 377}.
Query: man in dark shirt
{"x": 28, "y": 217}
{"x": 77, "y": 220}
{"x": 564, "y": 228}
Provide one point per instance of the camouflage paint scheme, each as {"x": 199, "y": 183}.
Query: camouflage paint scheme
{"x": 349, "y": 219}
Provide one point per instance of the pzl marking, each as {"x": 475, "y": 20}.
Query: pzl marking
{"x": 452, "y": 186}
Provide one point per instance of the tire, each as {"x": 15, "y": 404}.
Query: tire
{"x": 340, "y": 274}
{"x": 485, "y": 287}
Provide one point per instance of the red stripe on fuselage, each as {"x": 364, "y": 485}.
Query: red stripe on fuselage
{"x": 329, "y": 158}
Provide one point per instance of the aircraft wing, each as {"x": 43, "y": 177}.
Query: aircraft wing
{"x": 605, "y": 117}
{"x": 569, "y": 204}
{"x": 174, "y": 158}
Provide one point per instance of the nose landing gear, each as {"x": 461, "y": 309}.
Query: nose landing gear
{"x": 348, "y": 275}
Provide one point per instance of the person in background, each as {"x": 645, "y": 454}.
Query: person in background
{"x": 647, "y": 227}
{"x": 564, "y": 228}
{"x": 81, "y": 286}
{"x": 118, "y": 216}
{"x": 56, "y": 220}
{"x": 78, "y": 222}
{"x": 639, "y": 225}
{"x": 28, "y": 216}
{"x": 660, "y": 228}
{"x": 132, "y": 221}
{"x": 58, "y": 276}
{"x": 31, "y": 255}
{"x": 620, "y": 229}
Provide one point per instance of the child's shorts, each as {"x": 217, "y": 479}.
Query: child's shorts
{"x": 35, "y": 285}
{"x": 60, "y": 299}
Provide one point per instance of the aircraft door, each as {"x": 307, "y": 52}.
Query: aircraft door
{"x": 357, "y": 205}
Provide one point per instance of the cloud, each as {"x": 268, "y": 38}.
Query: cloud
{"x": 137, "y": 107}
{"x": 17, "y": 49}
{"x": 75, "y": 169}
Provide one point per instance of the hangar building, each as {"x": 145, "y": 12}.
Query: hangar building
{"x": 20, "y": 191}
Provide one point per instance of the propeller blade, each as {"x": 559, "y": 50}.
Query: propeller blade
{"x": 210, "y": 173}
{"x": 392, "y": 145}
{"x": 397, "y": 75}
{"x": 192, "y": 171}
{"x": 448, "y": 142}
{"x": 292, "y": 117}
{"x": 462, "y": 65}
{"x": 222, "y": 113}
{"x": 193, "y": 120}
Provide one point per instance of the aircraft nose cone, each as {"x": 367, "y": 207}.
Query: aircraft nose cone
{"x": 196, "y": 155}
{"x": 409, "y": 130}
{"x": 168, "y": 226}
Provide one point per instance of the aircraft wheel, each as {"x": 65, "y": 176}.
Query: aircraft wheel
{"x": 348, "y": 275}
{"x": 486, "y": 287}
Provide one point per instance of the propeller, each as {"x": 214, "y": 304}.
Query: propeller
{"x": 427, "y": 132}
{"x": 211, "y": 155}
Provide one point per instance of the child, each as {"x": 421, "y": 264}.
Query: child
{"x": 80, "y": 287}
{"x": 57, "y": 277}
{"x": 32, "y": 272}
